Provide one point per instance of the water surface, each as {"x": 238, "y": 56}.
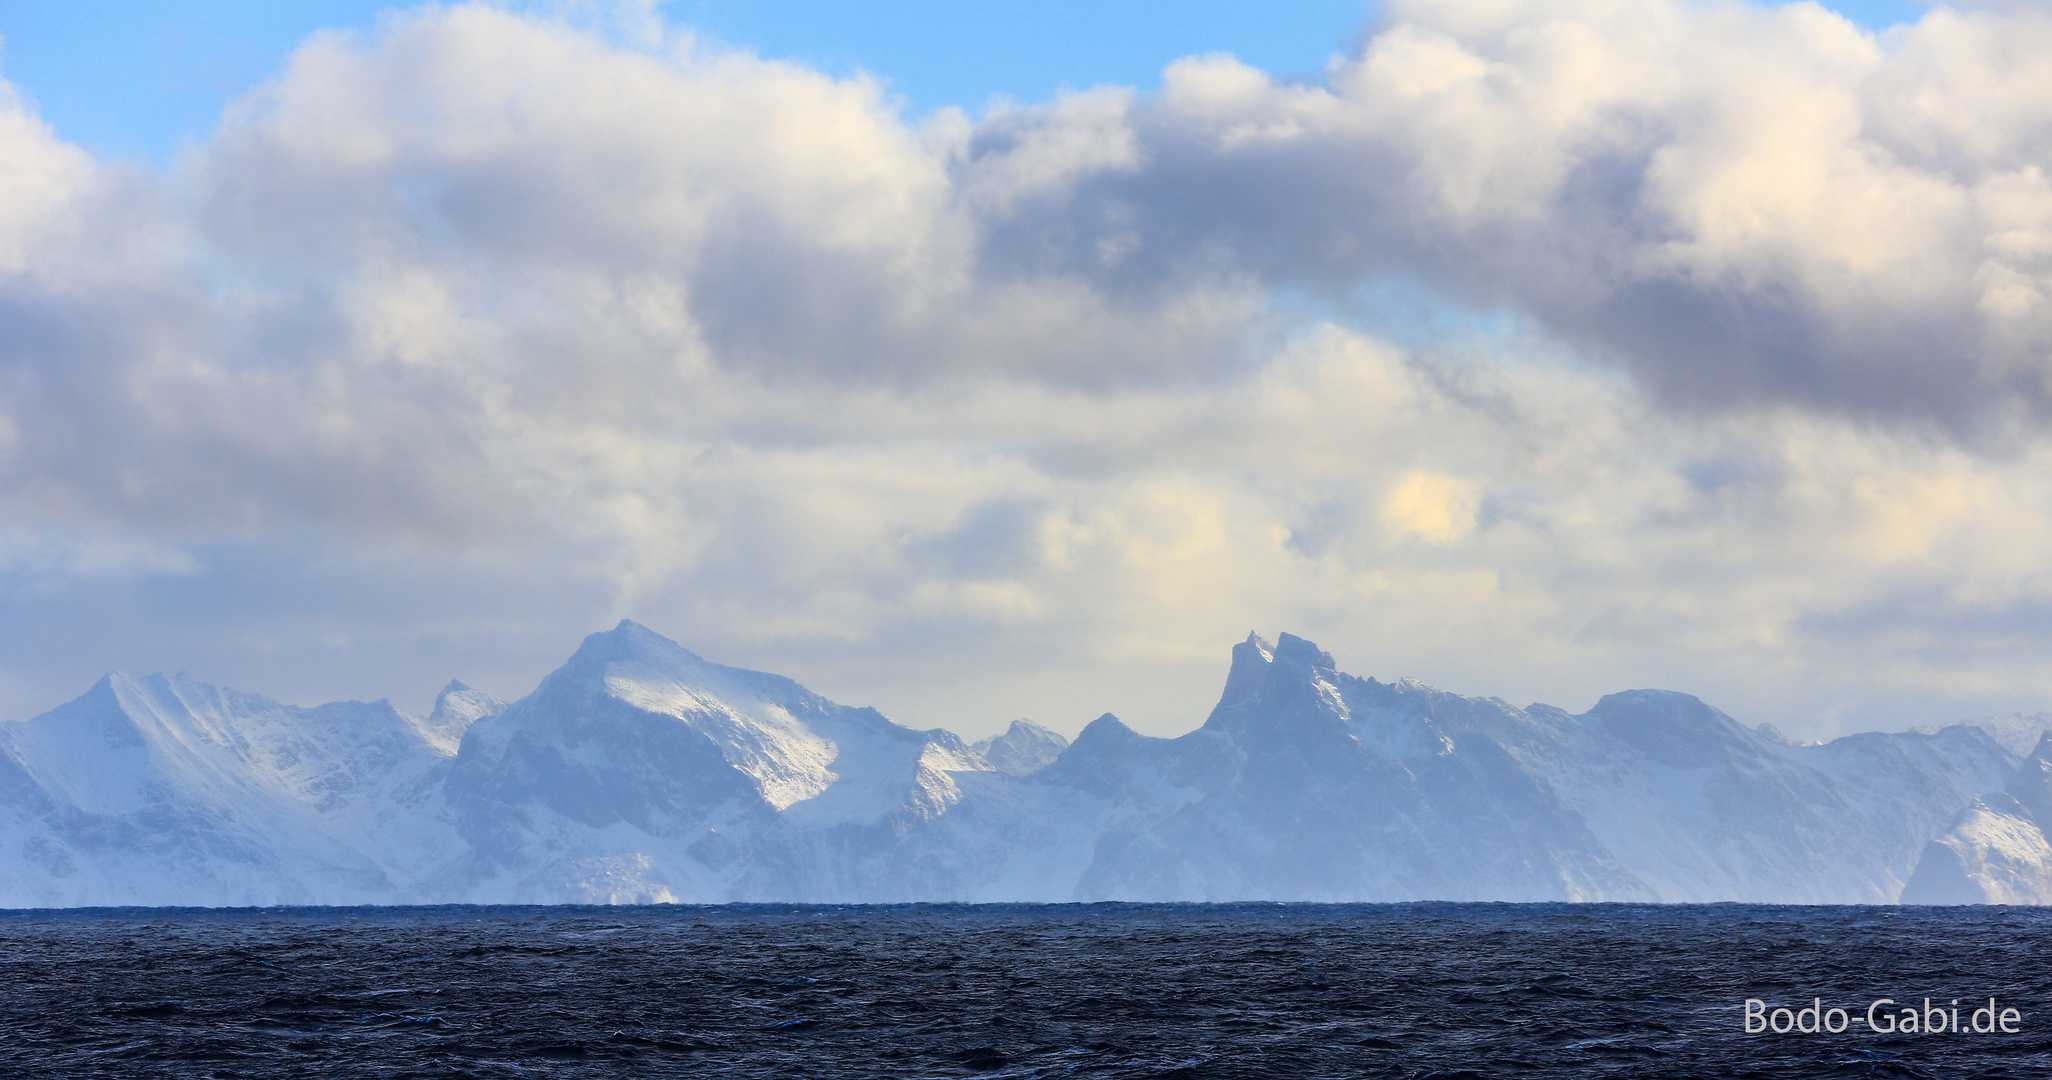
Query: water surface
{"x": 1101, "y": 990}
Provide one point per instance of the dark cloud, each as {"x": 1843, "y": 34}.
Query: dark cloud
{"x": 1745, "y": 207}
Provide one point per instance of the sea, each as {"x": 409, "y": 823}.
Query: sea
{"x": 1430, "y": 990}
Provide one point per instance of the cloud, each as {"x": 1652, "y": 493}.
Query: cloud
{"x": 1438, "y": 508}
{"x": 1746, "y": 206}
{"x": 465, "y": 336}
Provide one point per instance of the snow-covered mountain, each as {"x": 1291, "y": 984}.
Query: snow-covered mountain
{"x": 2018, "y": 733}
{"x": 168, "y": 791}
{"x": 456, "y": 708}
{"x": 1306, "y": 783}
{"x": 1996, "y": 851}
{"x": 639, "y": 772}
{"x": 1024, "y": 748}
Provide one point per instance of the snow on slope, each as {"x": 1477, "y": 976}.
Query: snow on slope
{"x": 2017, "y": 733}
{"x": 686, "y": 780}
{"x": 639, "y": 772}
{"x": 1308, "y": 784}
{"x": 1700, "y": 808}
{"x": 165, "y": 791}
{"x": 1996, "y": 851}
{"x": 456, "y": 708}
{"x": 1024, "y": 748}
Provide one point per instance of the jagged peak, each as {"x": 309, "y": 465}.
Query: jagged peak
{"x": 1775, "y": 735}
{"x": 1290, "y": 647}
{"x": 460, "y": 699}
{"x": 1025, "y": 747}
{"x": 2042, "y": 753}
{"x": 459, "y": 688}
{"x": 2031, "y": 785}
{"x": 1028, "y": 727}
{"x": 1264, "y": 675}
{"x": 1256, "y": 654}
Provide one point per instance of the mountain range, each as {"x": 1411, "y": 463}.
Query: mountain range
{"x": 640, "y": 773}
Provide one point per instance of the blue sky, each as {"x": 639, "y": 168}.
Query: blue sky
{"x": 129, "y": 78}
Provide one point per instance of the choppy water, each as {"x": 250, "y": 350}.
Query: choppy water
{"x": 1254, "y": 990}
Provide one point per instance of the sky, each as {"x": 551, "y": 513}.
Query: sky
{"x": 977, "y": 362}
{"x": 144, "y": 78}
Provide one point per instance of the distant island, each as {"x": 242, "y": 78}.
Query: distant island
{"x": 641, "y": 773}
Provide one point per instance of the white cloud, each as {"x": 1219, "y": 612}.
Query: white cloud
{"x": 465, "y": 337}
{"x": 1747, "y": 205}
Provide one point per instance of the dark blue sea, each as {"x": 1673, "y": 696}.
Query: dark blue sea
{"x": 1099, "y": 990}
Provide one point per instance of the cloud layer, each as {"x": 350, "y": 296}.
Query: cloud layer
{"x": 465, "y": 337}
{"x": 1742, "y": 205}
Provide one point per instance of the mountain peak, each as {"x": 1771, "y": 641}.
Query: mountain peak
{"x": 1106, "y": 729}
{"x": 458, "y": 706}
{"x": 705, "y": 783}
{"x": 2042, "y": 753}
{"x": 1249, "y": 672}
{"x": 1290, "y": 647}
{"x": 2032, "y": 783}
{"x": 634, "y": 639}
{"x": 1024, "y": 748}
{"x": 1270, "y": 682}
{"x": 1671, "y": 727}
{"x": 628, "y": 643}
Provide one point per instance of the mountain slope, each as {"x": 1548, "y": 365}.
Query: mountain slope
{"x": 640, "y": 772}
{"x": 168, "y": 791}
{"x": 1024, "y": 748}
{"x": 1997, "y": 850}
{"x": 1700, "y": 808}
{"x": 1308, "y": 784}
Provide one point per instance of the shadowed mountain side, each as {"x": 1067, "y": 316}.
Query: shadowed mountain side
{"x": 1024, "y": 748}
{"x": 166, "y": 791}
{"x": 639, "y": 772}
{"x": 1280, "y": 795}
{"x": 1997, "y": 850}
{"x": 1699, "y": 807}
